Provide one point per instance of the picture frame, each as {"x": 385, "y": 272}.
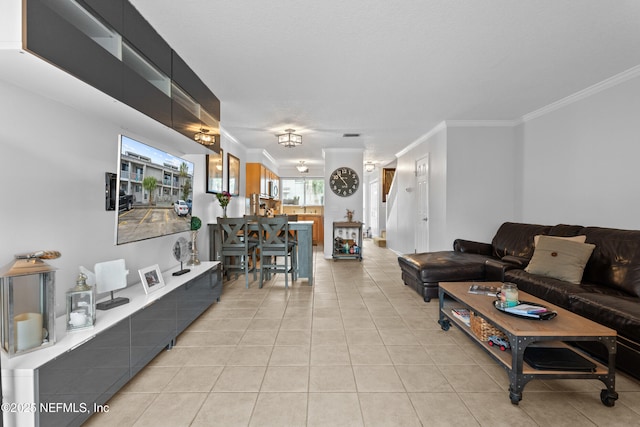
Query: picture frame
{"x": 215, "y": 170}
{"x": 151, "y": 278}
{"x": 387, "y": 179}
{"x": 233, "y": 175}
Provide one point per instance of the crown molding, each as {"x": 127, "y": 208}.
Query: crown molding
{"x": 480, "y": 123}
{"x": 232, "y": 138}
{"x": 591, "y": 90}
{"x": 436, "y": 129}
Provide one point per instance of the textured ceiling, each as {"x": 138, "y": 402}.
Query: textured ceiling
{"x": 390, "y": 70}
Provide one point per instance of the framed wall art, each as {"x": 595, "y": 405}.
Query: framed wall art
{"x": 151, "y": 278}
{"x": 215, "y": 170}
{"x": 233, "y": 175}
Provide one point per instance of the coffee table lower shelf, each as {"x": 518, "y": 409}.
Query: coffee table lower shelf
{"x": 519, "y": 372}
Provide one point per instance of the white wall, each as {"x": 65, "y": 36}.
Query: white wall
{"x": 573, "y": 162}
{"x": 581, "y": 161}
{"x": 472, "y": 186}
{"x": 335, "y": 207}
{"x": 53, "y": 177}
{"x": 401, "y": 224}
{"x": 481, "y": 181}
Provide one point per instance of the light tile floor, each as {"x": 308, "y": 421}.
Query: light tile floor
{"x": 357, "y": 348}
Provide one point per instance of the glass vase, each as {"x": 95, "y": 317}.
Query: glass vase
{"x": 193, "y": 260}
{"x": 224, "y": 211}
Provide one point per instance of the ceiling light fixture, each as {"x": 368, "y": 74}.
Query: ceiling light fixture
{"x": 204, "y": 137}
{"x": 302, "y": 168}
{"x": 369, "y": 166}
{"x": 289, "y": 139}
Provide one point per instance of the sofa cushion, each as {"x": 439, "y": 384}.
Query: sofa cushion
{"x": 579, "y": 239}
{"x": 615, "y": 261}
{"x": 565, "y": 230}
{"x": 560, "y": 259}
{"x": 516, "y": 239}
{"x": 552, "y": 290}
{"x": 445, "y": 266}
{"x": 621, "y": 313}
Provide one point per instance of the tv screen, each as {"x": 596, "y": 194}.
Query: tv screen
{"x": 155, "y": 192}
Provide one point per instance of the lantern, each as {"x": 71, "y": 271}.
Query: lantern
{"x": 27, "y": 286}
{"x": 81, "y": 305}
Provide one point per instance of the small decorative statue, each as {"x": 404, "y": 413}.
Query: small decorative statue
{"x": 349, "y": 215}
{"x": 196, "y": 223}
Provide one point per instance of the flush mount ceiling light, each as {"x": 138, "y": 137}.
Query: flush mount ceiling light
{"x": 289, "y": 139}
{"x": 302, "y": 168}
{"x": 204, "y": 137}
{"x": 369, "y": 166}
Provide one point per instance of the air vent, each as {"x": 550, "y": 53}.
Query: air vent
{"x": 350, "y": 135}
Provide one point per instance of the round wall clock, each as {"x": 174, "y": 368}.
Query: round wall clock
{"x": 344, "y": 181}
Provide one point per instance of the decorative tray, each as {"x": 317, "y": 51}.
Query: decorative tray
{"x": 527, "y": 310}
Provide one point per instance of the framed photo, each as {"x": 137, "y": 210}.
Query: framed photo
{"x": 214, "y": 172}
{"x": 151, "y": 278}
{"x": 387, "y": 179}
{"x": 233, "y": 175}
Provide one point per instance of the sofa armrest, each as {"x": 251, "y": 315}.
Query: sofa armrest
{"x": 516, "y": 261}
{"x": 468, "y": 246}
{"x": 495, "y": 268}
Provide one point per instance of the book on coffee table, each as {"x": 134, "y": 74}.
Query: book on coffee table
{"x": 462, "y": 314}
{"x": 525, "y": 309}
{"x": 478, "y": 289}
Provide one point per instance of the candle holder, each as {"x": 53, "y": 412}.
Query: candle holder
{"x": 81, "y": 305}
{"x": 27, "y": 286}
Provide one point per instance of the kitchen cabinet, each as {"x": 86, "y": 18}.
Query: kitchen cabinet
{"x": 261, "y": 180}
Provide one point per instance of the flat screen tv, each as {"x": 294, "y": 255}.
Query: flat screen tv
{"x": 155, "y": 192}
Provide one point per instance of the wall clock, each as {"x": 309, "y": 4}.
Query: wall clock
{"x": 344, "y": 181}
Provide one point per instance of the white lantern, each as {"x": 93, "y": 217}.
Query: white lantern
{"x": 81, "y": 305}
{"x": 27, "y": 286}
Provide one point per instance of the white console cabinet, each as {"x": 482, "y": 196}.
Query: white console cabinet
{"x": 62, "y": 385}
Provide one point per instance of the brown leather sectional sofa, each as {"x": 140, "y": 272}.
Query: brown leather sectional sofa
{"x": 609, "y": 292}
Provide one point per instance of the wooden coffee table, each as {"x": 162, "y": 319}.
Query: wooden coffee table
{"x": 522, "y": 332}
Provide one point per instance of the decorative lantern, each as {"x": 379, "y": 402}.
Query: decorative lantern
{"x": 27, "y": 286}
{"x": 81, "y": 305}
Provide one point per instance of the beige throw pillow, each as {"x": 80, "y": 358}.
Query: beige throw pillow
{"x": 579, "y": 239}
{"x": 560, "y": 259}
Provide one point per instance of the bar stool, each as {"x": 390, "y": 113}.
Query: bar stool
{"x": 236, "y": 247}
{"x": 274, "y": 243}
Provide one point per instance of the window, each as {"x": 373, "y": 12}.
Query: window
{"x": 303, "y": 191}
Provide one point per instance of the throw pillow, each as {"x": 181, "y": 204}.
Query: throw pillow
{"x": 560, "y": 259}
{"x": 579, "y": 239}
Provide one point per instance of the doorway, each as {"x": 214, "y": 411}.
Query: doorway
{"x": 374, "y": 206}
{"x": 422, "y": 218}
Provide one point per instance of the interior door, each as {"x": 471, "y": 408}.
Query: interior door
{"x": 422, "y": 219}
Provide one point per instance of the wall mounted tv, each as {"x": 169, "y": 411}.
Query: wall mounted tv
{"x": 155, "y": 192}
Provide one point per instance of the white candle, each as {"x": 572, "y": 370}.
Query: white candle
{"x": 28, "y": 332}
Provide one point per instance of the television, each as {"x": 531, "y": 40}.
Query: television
{"x": 155, "y": 192}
